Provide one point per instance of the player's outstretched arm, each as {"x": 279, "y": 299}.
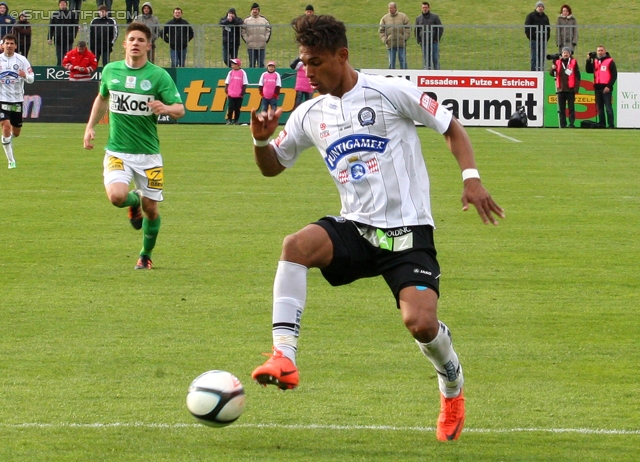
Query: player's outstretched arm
{"x": 474, "y": 192}
{"x": 263, "y": 125}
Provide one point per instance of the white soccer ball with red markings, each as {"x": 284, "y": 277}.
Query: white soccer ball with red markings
{"x": 216, "y": 398}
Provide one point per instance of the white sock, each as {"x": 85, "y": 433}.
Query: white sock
{"x": 441, "y": 354}
{"x": 289, "y": 298}
{"x": 8, "y": 148}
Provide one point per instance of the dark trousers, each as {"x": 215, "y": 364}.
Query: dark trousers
{"x": 301, "y": 97}
{"x": 566, "y": 98}
{"x": 537, "y": 49}
{"x": 256, "y": 57}
{"x": 178, "y": 57}
{"x": 104, "y": 53}
{"x": 131, "y": 7}
{"x": 233, "y": 112}
{"x": 108, "y": 4}
{"x": 603, "y": 103}
{"x": 269, "y": 102}
{"x": 151, "y": 54}
{"x": 229, "y": 51}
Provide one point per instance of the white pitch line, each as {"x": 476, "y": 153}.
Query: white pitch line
{"x": 582, "y": 431}
{"x": 503, "y": 136}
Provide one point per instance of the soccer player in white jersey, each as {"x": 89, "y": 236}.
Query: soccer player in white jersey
{"x": 364, "y": 128}
{"x": 15, "y": 70}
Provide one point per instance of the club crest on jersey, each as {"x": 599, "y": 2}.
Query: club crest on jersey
{"x": 145, "y": 85}
{"x": 353, "y": 144}
{"x": 366, "y": 116}
{"x": 358, "y": 171}
{"x": 16, "y": 67}
{"x": 130, "y": 82}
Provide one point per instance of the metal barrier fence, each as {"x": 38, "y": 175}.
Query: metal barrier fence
{"x": 470, "y": 47}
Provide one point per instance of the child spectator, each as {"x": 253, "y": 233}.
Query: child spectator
{"x": 269, "y": 86}
{"x": 235, "y": 86}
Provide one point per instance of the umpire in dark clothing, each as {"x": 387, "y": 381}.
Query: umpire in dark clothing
{"x": 63, "y": 28}
{"x": 103, "y": 31}
{"x": 231, "y": 26}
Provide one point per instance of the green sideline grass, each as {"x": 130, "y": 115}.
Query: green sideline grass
{"x": 95, "y": 358}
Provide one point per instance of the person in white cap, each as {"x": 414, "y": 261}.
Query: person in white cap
{"x": 235, "y": 86}
{"x": 269, "y": 87}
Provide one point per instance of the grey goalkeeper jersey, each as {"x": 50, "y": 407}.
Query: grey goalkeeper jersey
{"x": 370, "y": 145}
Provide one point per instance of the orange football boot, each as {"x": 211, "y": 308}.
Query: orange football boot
{"x": 451, "y": 419}
{"x": 278, "y": 371}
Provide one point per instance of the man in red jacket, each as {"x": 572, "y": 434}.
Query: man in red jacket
{"x": 80, "y": 63}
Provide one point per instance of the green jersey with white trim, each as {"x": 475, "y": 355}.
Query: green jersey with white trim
{"x": 132, "y": 123}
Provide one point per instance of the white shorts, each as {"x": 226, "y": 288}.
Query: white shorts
{"x": 145, "y": 170}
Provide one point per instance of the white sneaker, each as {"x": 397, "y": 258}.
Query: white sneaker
{"x": 12, "y": 164}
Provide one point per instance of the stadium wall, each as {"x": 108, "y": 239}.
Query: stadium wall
{"x": 477, "y": 98}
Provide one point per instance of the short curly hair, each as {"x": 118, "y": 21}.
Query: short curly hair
{"x": 322, "y": 31}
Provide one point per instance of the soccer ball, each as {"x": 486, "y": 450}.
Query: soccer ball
{"x": 216, "y": 398}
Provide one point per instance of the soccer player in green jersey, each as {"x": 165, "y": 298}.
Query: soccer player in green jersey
{"x": 136, "y": 91}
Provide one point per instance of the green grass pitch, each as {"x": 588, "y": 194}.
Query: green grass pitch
{"x": 96, "y": 358}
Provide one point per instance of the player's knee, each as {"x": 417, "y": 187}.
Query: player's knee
{"x": 310, "y": 247}
{"x": 292, "y": 245}
{"x": 422, "y": 328}
{"x": 116, "y": 198}
{"x": 297, "y": 249}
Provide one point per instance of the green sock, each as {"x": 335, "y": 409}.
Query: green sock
{"x": 150, "y": 230}
{"x": 131, "y": 201}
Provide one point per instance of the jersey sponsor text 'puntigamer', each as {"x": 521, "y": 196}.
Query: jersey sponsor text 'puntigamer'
{"x": 352, "y": 144}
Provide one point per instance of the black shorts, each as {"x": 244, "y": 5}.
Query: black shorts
{"x": 405, "y": 256}
{"x": 11, "y": 112}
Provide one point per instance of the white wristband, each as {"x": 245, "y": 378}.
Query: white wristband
{"x": 260, "y": 143}
{"x": 470, "y": 173}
